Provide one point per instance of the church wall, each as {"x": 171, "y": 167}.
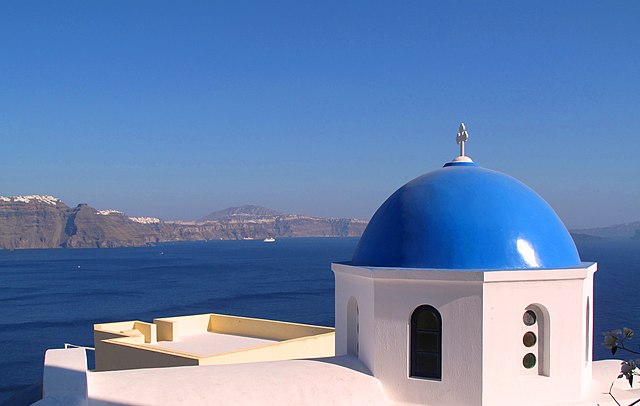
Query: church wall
{"x": 360, "y": 288}
{"x": 460, "y": 306}
{"x": 505, "y": 379}
{"x": 588, "y": 333}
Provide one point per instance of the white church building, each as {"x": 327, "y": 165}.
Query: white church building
{"x": 465, "y": 289}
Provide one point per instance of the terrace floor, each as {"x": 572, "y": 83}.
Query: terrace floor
{"x": 212, "y": 343}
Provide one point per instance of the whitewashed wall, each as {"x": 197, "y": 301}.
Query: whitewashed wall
{"x": 482, "y": 331}
{"x": 505, "y": 380}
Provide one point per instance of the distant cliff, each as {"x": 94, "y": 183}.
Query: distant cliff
{"x": 624, "y": 231}
{"x": 245, "y": 222}
{"x": 46, "y": 222}
{"x": 248, "y": 212}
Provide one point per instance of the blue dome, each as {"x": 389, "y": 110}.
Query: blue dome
{"x": 466, "y": 217}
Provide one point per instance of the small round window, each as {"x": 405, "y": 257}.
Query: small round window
{"x": 529, "y": 361}
{"x": 529, "y": 318}
{"x": 529, "y": 339}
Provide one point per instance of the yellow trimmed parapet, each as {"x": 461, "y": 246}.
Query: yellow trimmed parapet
{"x": 261, "y": 328}
{"x": 135, "y": 344}
{"x": 317, "y": 346}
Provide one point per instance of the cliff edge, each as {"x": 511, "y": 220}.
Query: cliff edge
{"x": 46, "y": 222}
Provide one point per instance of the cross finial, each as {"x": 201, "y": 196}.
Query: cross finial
{"x": 462, "y": 137}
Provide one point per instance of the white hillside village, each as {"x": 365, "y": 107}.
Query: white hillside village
{"x": 32, "y": 198}
{"x": 142, "y": 220}
{"x": 465, "y": 289}
{"x": 51, "y": 200}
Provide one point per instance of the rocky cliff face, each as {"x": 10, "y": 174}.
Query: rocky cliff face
{"x": 86, "y": 227}
{"x": 46, "y": 222}
{"x": 32, "y": 222}
{"x": 247, "y": 212}
{"x": 275, "y": 226}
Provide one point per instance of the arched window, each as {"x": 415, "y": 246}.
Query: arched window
{"x": 426, "y": 343}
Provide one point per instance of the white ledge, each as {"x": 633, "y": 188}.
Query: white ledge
{"x": 470, "y": 275}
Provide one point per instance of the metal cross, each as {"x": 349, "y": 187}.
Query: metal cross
{"x": 462, "y": 137}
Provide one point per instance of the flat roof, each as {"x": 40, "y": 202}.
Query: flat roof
{"x": 209, "y": 343}
{"x": 325, "y": 381}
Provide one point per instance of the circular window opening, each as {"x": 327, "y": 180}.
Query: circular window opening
{"x": 529, "y": 339}
{"x": 529, "y": 361}
{"x": 529, "y": 318}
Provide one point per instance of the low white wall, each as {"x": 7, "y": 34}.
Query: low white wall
{"x": 64, "y": 379}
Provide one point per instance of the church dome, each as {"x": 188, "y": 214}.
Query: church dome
{"x": 463, "y": 216}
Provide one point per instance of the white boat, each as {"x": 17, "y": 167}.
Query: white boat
{"x": 269, "y": 239}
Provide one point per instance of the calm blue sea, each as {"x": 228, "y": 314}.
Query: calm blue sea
{"x": 49, "y": 297}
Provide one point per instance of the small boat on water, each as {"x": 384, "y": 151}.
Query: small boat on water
{"x": 269, "y": 239}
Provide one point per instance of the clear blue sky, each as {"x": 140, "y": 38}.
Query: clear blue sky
{"x": 176, "y": 109}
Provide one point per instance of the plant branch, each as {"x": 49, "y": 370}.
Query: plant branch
{"x": 611, "y": 394}
{"x": 622, "y": 347}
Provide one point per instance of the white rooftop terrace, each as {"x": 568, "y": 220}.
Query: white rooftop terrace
{"x": 206, "y": 339}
